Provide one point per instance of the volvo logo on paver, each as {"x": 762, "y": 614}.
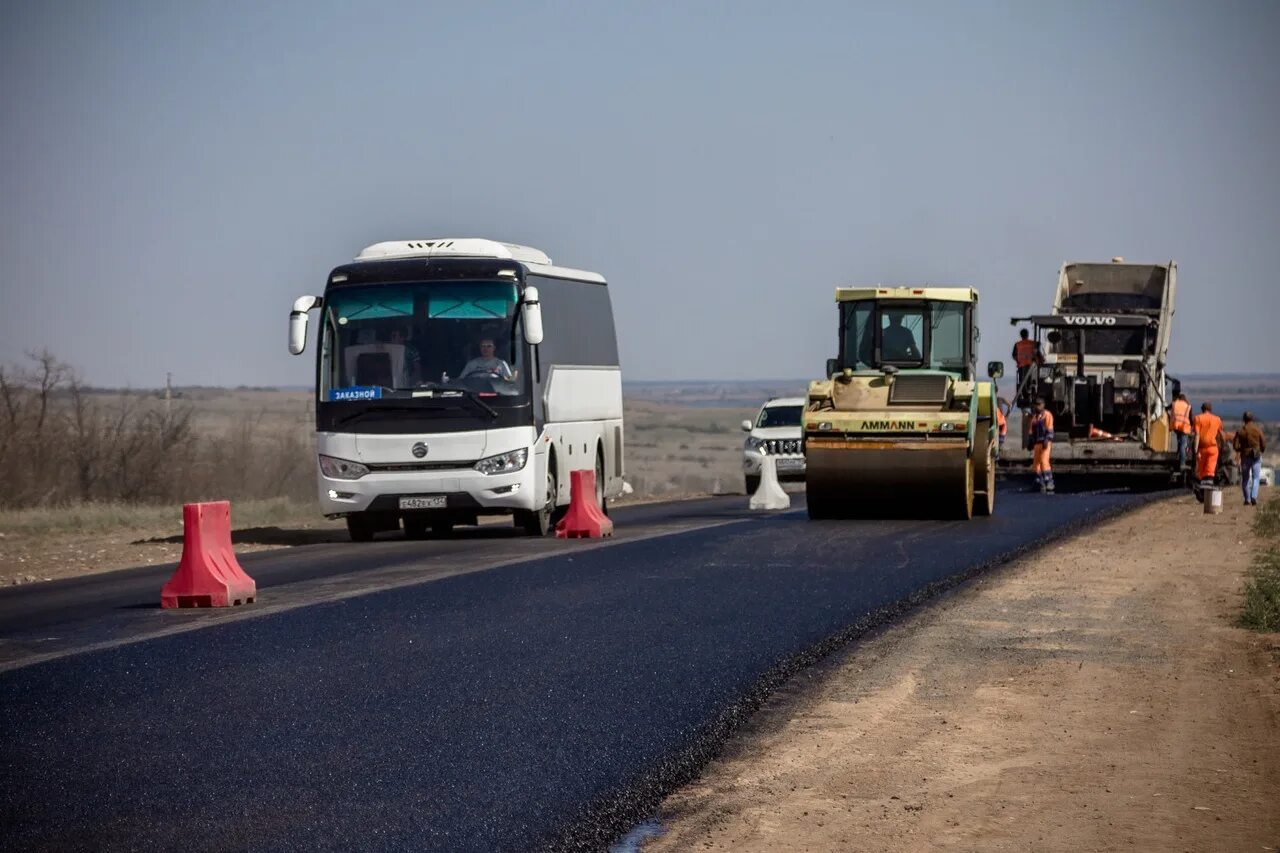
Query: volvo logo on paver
{"x": 1076, "y": 320}
{"x": 419, "y": 450}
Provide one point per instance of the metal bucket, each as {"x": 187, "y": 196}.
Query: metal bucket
{"x": 1212, "y": 500}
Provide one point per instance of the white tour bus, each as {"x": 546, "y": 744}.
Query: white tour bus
{"x": 459, "y": 378}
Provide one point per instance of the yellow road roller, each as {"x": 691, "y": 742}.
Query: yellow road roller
{"x": 902, "y": 425}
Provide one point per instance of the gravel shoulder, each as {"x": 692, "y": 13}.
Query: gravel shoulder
{"x": 1094, "y": 696}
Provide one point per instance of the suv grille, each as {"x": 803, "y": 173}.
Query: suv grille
{"x": 781, "y": 446}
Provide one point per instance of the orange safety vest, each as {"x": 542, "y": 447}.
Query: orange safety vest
{"x": 1024, "y": 352}
{"x": 1180, "y": 414}
{"x": 1004, "y": 424}
{"x": 1208, "y": 425}
{"x": 1041, "y": 427}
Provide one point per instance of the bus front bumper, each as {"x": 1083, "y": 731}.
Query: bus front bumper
{"x": 459, "y": 490}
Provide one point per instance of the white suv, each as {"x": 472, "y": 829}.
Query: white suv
{"x": 777, "y": 431}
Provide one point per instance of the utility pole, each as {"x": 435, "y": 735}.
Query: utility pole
{"x": 168, "y": 399}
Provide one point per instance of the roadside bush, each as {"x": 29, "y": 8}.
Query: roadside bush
{"x": 64, "y": 443}
{"x": 1261, "y": 610}
{"x": 1267, "y": 522}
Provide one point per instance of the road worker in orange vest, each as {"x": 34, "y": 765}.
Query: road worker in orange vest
{"x": 1026, "y": 352}
{"x": 1207, "y": 427}
{"x": 1041, "y": 430}
{"x": 1180, "y": 423}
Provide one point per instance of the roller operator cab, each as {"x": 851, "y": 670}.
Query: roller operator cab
{"x": 457, "y": 378}
{"x": 902, "y": 424}
{"x": 1102, "y": 371}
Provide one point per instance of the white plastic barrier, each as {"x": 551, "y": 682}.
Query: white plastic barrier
{"x": 769, "y": 494}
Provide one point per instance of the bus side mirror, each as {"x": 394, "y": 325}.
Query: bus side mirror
{"x": 531, "y": 311}
{"x": 298, "y": 322}
{"x": 995, "y": 369}
{"x": 832, "y": 367}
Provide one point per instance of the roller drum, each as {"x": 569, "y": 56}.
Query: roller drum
{"x": 913, "y": 478}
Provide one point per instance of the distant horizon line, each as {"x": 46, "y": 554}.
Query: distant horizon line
{"x": 746, "y": 382}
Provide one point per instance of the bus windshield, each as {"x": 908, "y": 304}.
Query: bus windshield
{"x": 923, "y": 334}
{"x": 411, "y": 339}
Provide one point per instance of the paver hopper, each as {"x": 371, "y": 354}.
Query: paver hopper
{"x": 901, "y": 424}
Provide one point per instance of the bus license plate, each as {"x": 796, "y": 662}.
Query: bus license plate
{"x": 437, "y": 502}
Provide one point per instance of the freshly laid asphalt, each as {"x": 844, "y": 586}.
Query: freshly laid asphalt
{"x": 546, "y": 702}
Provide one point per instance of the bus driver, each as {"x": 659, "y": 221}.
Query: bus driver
{"x": 488, "y": 364}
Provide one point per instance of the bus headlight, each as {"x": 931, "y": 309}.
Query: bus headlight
{"x": 503, "y": 463}
{"x": 341, "y": 469}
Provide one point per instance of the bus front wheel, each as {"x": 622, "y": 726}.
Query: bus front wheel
{"x": 538, "y": 522}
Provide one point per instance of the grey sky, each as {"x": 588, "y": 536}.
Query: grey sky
{"x": 175, "y": 173}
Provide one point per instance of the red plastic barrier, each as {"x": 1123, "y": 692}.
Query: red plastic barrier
{"x": 209, "y": 575}
{"x": 585, "y": 519}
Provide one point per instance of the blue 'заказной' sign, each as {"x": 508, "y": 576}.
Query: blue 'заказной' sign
{"x": 356, "y": 392}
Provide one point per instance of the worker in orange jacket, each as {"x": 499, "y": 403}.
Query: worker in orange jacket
{"x": 1180, "y": 423}
{"x": 1041, "y": 429}
{"x": 1026, "y": 352}
{"x": 1207, "y": 427}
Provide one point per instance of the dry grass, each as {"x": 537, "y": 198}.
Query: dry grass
{"x": 1261, "y": 607}
{"x": 148, "y": 519}
{"x": 674, "y": 450}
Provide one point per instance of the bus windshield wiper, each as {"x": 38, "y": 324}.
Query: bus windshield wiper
{"x": 472, "y": 397}
{"x": 452, "y": 391}
{"x": 377, "y": 410}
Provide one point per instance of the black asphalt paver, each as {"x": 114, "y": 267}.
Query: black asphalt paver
{"x": 535, "y": 703}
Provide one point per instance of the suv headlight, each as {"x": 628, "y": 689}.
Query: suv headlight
{"x": 341, "y": 469}
{"x": 754, "y": 443}
{"x": 503, "y": 463}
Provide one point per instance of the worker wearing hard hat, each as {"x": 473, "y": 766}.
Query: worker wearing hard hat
{"x": 1180, "y": 423}
{"x": 1208, "y": 427}
{"x": 1041, "y": 429}
{"x": 1026, "y": 352}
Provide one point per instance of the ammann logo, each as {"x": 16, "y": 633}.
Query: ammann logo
{"x": 1077, "y": 320}
{"x": 888, "y": 425}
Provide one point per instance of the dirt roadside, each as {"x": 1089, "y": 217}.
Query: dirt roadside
{"x": 28, "y": 558}
{"x": 1095, "y": 696}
